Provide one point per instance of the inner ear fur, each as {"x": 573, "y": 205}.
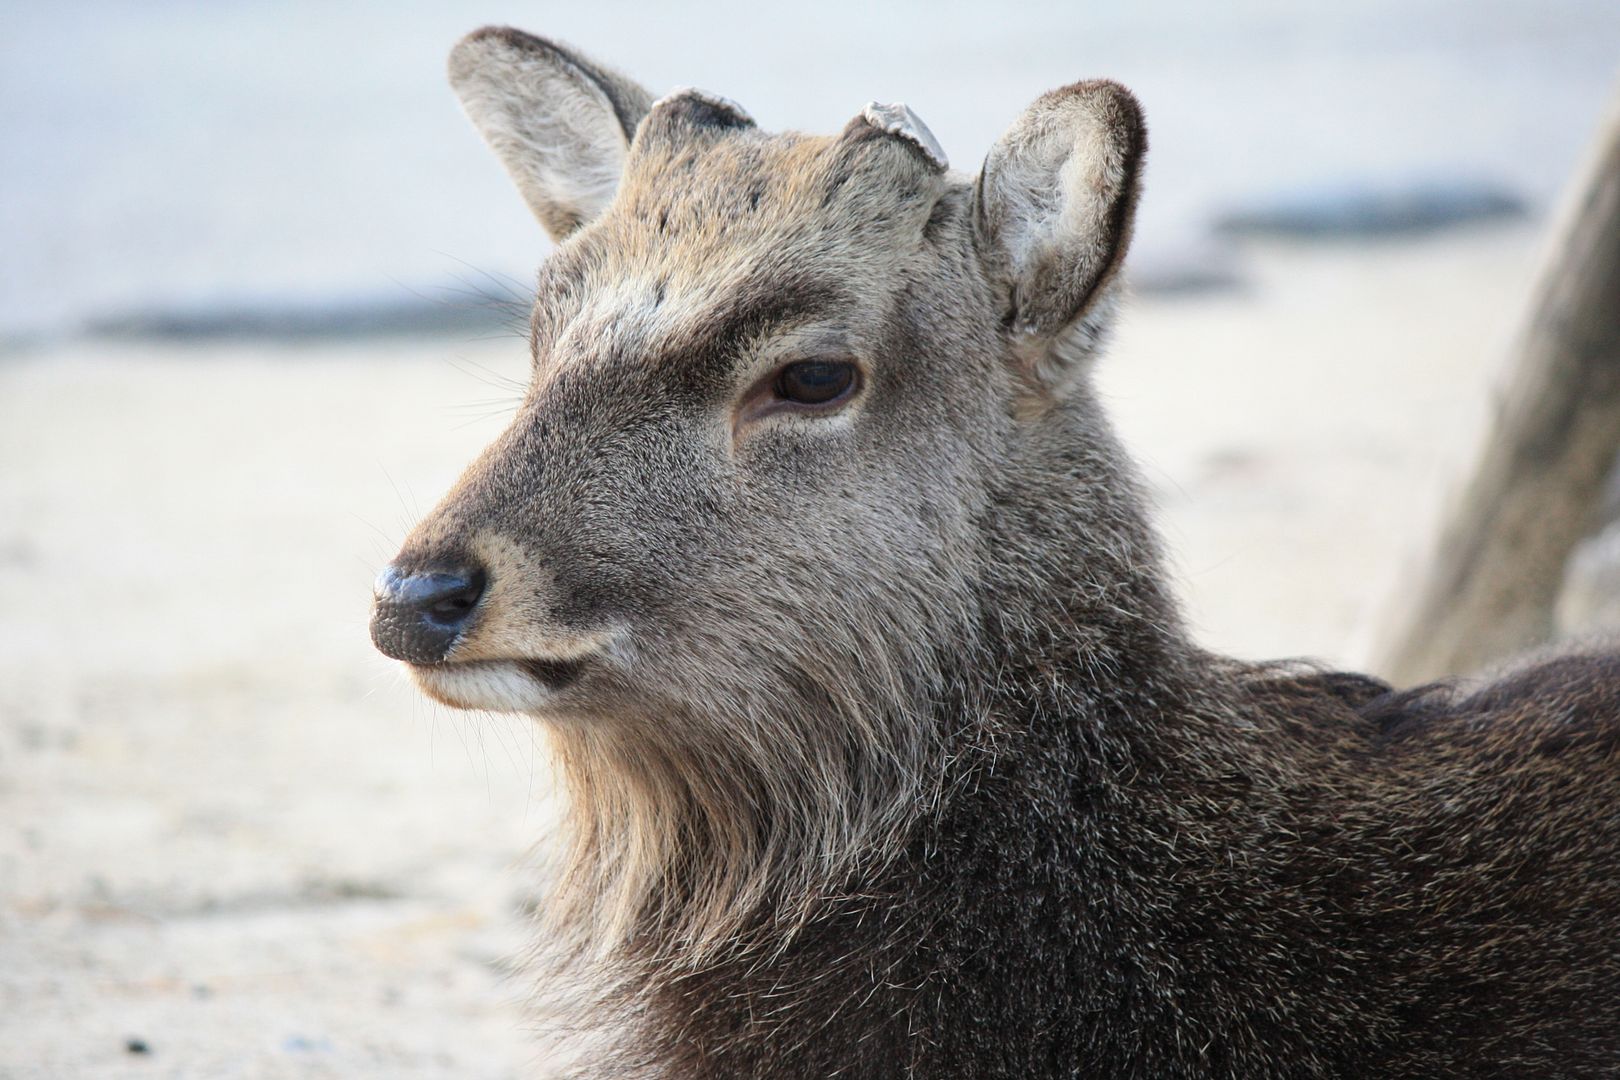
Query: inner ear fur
{"x": 560, "y": 123}
{"x": 1053, "y": 209}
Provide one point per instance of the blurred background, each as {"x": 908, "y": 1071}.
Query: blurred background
{"x": 258, "y": 287}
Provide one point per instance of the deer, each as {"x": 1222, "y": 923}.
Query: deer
{"x": 887, "y": 750}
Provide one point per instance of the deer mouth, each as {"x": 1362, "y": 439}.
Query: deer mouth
{"x": 515, "y": 685}
{"x": 555, "y": 674}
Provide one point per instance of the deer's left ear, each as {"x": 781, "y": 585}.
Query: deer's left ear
{"x": 1053, "y": 208}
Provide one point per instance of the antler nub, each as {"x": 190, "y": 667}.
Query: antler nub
{"x": 898, "y": 119}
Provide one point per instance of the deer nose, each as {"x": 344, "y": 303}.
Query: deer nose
{"x": 418, "y": 614}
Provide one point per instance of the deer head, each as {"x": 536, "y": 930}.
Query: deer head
{"x": 787, "y": 390}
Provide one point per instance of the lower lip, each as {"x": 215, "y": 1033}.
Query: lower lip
{"x": 518, "y": 686}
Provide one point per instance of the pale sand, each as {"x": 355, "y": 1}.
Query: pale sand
{"x": 227, "y": 827}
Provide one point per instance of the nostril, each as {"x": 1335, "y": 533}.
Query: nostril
{"x": 454, "y": 598}
{"x": 445, "y": 596}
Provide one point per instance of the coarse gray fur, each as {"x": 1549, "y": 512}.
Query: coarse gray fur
{"x": 888, "y": 752}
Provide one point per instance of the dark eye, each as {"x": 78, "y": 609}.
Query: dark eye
{"x": 816, "y": 382}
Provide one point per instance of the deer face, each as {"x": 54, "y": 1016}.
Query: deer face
{"x": 775, "y": 381}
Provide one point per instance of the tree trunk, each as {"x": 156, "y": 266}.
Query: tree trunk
{"x": 1489, "y": 585}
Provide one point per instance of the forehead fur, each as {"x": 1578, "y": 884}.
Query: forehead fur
{"x": 710, "y": 213}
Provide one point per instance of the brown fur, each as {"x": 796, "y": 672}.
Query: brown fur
{"x": 888, "y": 753}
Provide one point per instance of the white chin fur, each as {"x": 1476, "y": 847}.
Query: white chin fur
{"x": 495, "y": 685}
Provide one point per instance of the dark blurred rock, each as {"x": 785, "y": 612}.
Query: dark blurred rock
{"x": 1350, "y": 209}
{"x": 296, "y": 319}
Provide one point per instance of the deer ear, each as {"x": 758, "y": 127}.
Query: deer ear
{"x": 1052, "y": 216}
{"x": 560, "y": 123}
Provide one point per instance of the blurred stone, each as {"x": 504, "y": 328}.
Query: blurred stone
{"x": 1589, "y": 601}
{"x": 1352, "y": 209}
{"x": 297, "y": 318}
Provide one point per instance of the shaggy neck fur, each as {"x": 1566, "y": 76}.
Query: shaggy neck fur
{"x": 723, "y": 844}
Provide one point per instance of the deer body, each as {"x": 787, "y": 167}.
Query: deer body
{"x": 889, "y": 756}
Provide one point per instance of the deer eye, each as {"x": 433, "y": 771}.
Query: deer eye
{"x": 816, "y": 382}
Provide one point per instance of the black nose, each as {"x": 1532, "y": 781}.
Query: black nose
{"x": 419, "y": 614}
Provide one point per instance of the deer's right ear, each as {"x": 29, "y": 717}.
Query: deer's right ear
{"x": 561, "y": 124}
{"x": 1052, "y": 217}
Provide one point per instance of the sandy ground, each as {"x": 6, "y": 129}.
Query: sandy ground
{"x": 230, "y": 832}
